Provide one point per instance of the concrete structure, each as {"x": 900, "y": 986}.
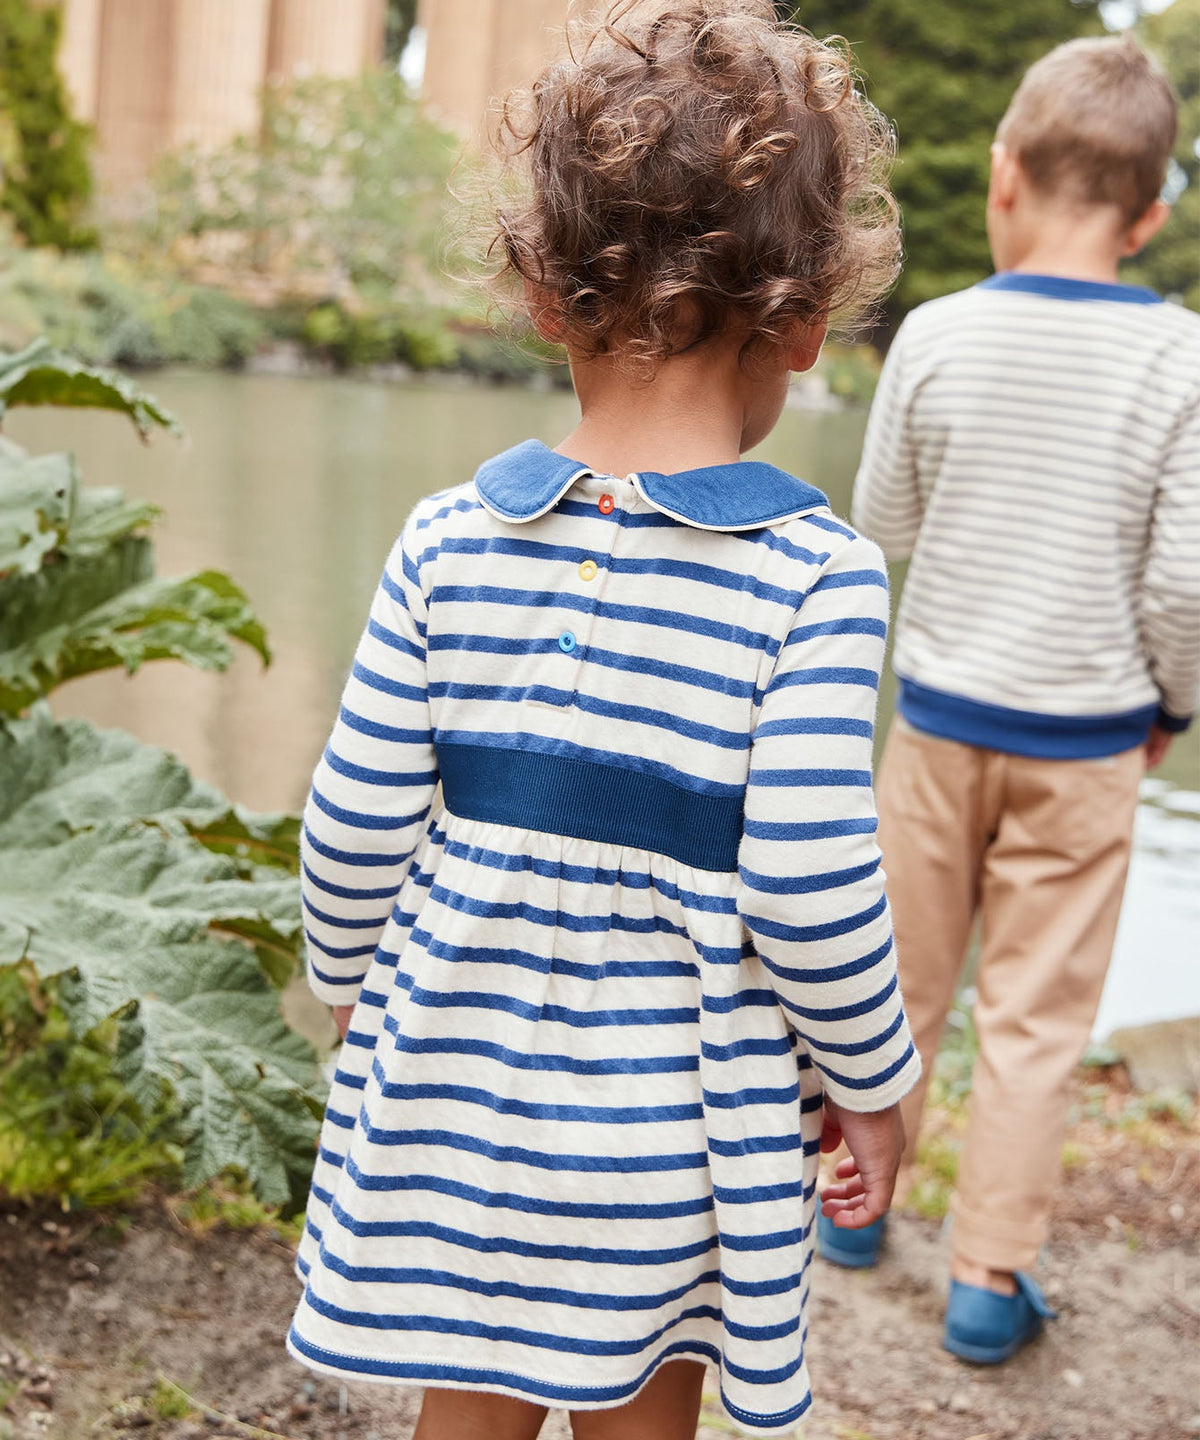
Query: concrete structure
{"x": 155, "y": 74}
{"x": 476, "y": 50}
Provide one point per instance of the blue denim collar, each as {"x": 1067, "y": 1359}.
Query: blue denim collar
{"x": 530, "y": 479}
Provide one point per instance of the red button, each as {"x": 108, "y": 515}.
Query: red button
{"x": 606, "y": 504}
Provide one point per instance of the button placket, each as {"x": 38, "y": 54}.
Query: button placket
{"x": 593, "y": 574}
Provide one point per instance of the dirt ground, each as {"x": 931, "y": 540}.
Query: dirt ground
{"x": 149, "y": 1329}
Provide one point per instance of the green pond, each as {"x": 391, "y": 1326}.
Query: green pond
{"x": 298, "y": 486}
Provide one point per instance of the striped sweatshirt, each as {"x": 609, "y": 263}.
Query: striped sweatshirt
{"x": 1034, "y": 445}
{"x": 592, "y": 848}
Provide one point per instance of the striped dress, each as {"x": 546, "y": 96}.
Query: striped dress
{"x": 592, "y": 846}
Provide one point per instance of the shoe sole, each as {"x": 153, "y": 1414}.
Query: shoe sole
{"x": 988, "y": 1354}
{"x": 849, "y": 1259}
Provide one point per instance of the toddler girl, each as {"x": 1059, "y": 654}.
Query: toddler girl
{"x": 590, "y": 875}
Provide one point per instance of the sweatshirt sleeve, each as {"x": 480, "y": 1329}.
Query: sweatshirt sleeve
{"x": 812, "y": 891}
{"x": 1171, "y": 581}
{"x": 887, "y": 502}
{"x": 372, "y": 790}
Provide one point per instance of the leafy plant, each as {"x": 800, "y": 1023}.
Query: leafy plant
{"x": 155, "y": 920}
{"x": 47, "y": 178}
{"x": 108, "y": 312}
{"x": 346, "y": 183}
{"x": 41, "y": 375}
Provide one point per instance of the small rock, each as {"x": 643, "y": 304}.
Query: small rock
{"x": 218, "y": 1267}
{"x": 926, "y": 1407}
{"x": 41, "y": 1394}
{"x": 1176, "y": 1211}
{"x": 959, "y": 1403}
{"x": 300, "y": 1408}
{"x": 50, "y": 1227}
{"x": 1073, "y": 1378}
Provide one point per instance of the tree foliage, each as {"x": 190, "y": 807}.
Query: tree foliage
{"x": 346, "y": 184}
{"x": 944, "y": 72}
{"x": 1171, "y": 262}
{"x": 44, "y": 165}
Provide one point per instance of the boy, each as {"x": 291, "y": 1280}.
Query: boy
{"x": 1035, "y": 447}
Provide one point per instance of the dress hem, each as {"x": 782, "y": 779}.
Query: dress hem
{"x": 433, "y": 1372}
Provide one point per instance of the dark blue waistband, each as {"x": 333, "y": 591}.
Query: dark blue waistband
{"x": 591, "y": 801}
{"x": 1021, "y": 732}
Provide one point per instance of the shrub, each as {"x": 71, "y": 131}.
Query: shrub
{"x": 47, "y": 178}
{"x": 145, "y": 923}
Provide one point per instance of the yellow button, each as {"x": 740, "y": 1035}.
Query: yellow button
{"x": 587, "y": 571}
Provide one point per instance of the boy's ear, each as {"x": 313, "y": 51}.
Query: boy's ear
{"x": 1142, "y": 231}
{"x": 543, "y": 313}
{"x": 1003, "y": 184}
{"x": 805, "y": 350}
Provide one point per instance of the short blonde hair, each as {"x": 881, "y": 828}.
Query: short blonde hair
{"x": 1094, "y": 122}
{"x": 694, "y": 166}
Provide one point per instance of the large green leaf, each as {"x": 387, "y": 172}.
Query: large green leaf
{"x": 105, "y": 884}
{"x": 78, "y": 591}
{"x": 41, "y": 375}
{"x": 188, "y": 619}
{"x": 37, "y": 500}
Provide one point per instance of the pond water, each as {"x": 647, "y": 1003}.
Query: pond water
{"x": 298, "y": 486}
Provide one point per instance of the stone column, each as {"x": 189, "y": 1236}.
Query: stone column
{"x": 79, "y": 55}
{"x": 133, "y": 95}
{"x": 218, "y": 64}
{"x": 477, "y": 50}
{"x": 324, "y": 37}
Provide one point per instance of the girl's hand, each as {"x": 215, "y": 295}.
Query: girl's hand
{"x": 341, "y": 1018}
{"x": 868, "y": 1175}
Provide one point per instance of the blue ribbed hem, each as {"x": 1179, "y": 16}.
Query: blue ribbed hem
{"x": 1172, "y": 724}
{"x": 1022, "y": 732}
{"x": 591, "y": 801}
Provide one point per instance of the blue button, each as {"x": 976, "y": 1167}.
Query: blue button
{"x": 566, "y": 642}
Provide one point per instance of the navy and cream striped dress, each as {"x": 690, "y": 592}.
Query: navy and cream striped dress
{"x": 605, "y": 971}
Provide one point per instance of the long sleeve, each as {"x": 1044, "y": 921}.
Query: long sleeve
{"x": 887, "y": 504}
{"x": 1171, "y": 582}
{"x": 371, "y": 791}
{"x": 812, "y": 887}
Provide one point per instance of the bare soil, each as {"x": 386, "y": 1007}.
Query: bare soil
{"x": 102, "y": 1317}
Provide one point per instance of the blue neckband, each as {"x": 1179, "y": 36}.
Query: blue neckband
{"x": 1063, "y": 287}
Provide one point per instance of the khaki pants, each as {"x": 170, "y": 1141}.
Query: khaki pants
{"x": 1040, "y": 849}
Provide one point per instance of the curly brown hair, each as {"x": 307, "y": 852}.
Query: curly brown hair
{"x": 695, "y": 167}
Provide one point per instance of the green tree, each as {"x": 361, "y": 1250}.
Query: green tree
{"x": 46, "y": 179}
{"x": 1171, "y": 263}
{"x": 944, "y": 73}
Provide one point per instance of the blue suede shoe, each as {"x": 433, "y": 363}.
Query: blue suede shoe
{"x": 853, "y": 1249}
{"x": 986, "y": 1328}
